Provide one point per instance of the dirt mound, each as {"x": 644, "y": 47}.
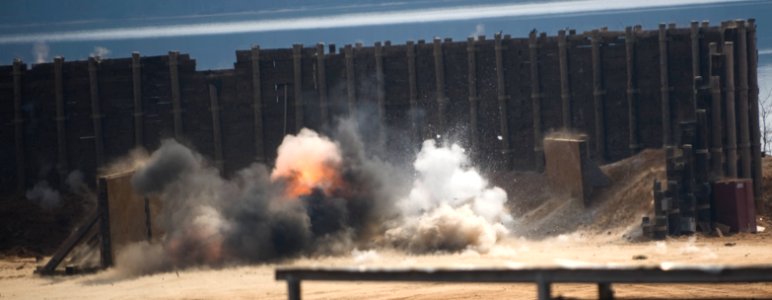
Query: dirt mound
{"x": 614, "y": 210}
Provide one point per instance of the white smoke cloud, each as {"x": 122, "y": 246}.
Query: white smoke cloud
{"x": 40, "y": 51}
{"x": 450, "y": 206}
{"x": 478, "y": 30}
{"x": 100, "y": 52}
{"x": 44, "y": 196}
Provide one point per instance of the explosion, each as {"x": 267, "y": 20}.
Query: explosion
{"x": 341, "y": 199}
{"x": 307, "y": 161}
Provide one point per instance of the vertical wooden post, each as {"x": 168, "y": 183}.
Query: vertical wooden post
{"x": 664, "y": 87}
{"x": 632, "y": 90}
{"x": 753, "y": 102}
{"x": 503, "y": 98}
{"x": 742, "y": 102}
{"x": 257, "y": 104}
{"x": 696, "y": 73}
{"x": 297, "y": 55}
{"x": 412, "y": 92}
{"x": 716, "y": 150}
{"x": 18, "y": 122}
{"x": 103, "y": 205}
{"x": 96, "y": 115}
{"x": 136, "y": 85}
{"x": 350, "y": 87}
{"x": 176, "y": 104}
{"x": 533, "y": 55}
{"x": 565, "y": 88}
{"x": 61, "y": 133}
{"x": 472, "y": 86}
{"x": 216, "y": 130}
{"x": 439, "y": 72}
{"x": 598, "y": 95}
{"x": 323, "y": 107}
{"x": 379, "y": 88}
{"x": 731, "y": 124}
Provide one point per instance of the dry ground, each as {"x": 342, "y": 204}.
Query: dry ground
{"x": 552, "y": 232}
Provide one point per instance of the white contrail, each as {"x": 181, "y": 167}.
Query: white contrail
{"x": 356, "y": 19}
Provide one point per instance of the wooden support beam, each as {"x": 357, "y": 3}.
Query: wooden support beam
{"x": 350, "y": 81}
{"x": 716, "y": 149}
{"x": 598, "y": 98}
{"x": 536, "y": 96}
{"x": 632, "y": 90}
{"x": 216, "y": 129}
{"x": 742, "y": 101}
{"x": 695, "y": 37}
{"x": 136, "y": 87}
{"x": 439, "y": 75}
{"x": 664, "y": 80}
{"x": 18, "y": 121}
{"x": 753, "y": 102}
{"x": 380, "y": 95}
{"x": 73, "y": 240}
{"x": 471, "y": 63}
{"x": 322, "y": 77}
{"x": 731, "y": 123}
{"x": 103, "y": 209}
{"x": 503, "y": 98}
{"x": 61, "y": 133}
{"x": 412, "y": 93}
{"x": 257, "y": 105}
{"x": 297, "y": 55}
{"x": 565, "y": 87}
{"x": 174, "y": 70}
{"x": 96, "y": 113}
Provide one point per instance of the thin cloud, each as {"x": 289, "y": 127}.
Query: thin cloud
{"x": 457, "y": 13}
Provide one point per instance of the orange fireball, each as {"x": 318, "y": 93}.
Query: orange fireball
{"x": 306, "y": 161}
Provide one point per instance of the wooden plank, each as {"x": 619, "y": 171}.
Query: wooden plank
{"x": 61, "y": 133}
{"x": 742, "y": 103}
{"x": 473, "y": 97}
{"x": 731, "y": 123}
{"x": 18, "y": 122}
{"x": 439, "y": 75}
{"x": 136, "y": 81}
{"x": 565, "y": 87}
{"x": 413, "y": 92}
{"x": 632, "y": 90}
{"x": 598, "y": 98}
{"x": 297, "y": 83}
{"x": 73, "y": 240}
{"x": 96, "y": 114}
{"x": 753, "y": 102}
{"x": 103, "y": 210}
{"x": 350, "y": 87}
{"x": 536, "y": 98}
{"x": 322, "y": 81}
{"x": 257, "y": 104}
{"x": 175, "y": 87}
{"x": 216, "y": 126}
{"x": 664, "y": 87}
{"x": 716, "y": 149}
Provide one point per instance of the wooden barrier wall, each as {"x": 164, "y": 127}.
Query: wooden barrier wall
{"x": 498, "y": 95}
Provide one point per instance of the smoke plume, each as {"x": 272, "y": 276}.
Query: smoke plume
{"x": 325, "y": 195}
{"x": 44, "y": 196}
{"x": 40, "y": 50}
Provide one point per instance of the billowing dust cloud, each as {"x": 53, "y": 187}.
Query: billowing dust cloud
{"x": 326, "y": 195}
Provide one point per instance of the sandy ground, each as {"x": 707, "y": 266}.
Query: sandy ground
{"x": 576, "y": 249}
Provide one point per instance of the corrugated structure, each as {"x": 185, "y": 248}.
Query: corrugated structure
{"x": 500, "y": 95}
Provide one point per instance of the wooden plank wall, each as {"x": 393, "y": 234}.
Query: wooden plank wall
{"x": 480, "y": 92}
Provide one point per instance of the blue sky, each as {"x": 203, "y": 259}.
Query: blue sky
{"x": 211, "y": 31}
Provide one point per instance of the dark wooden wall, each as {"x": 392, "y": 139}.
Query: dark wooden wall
{"x": 497, "y": 95}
